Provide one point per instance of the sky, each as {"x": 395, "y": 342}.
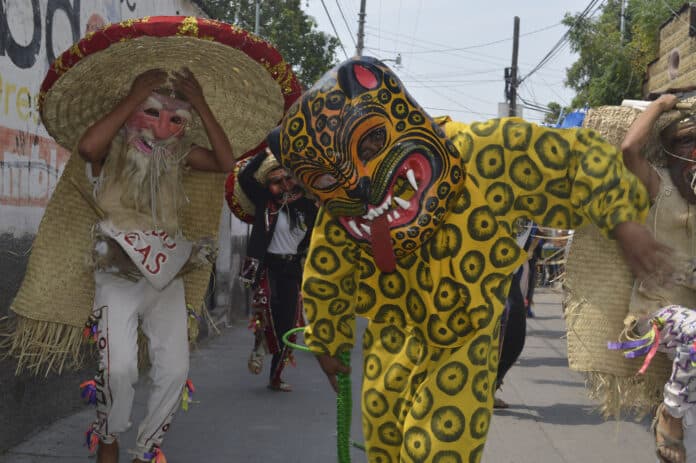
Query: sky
{"x": 454, "y": 52}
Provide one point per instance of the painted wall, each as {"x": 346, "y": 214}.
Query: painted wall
{"x": 32, "y": 34}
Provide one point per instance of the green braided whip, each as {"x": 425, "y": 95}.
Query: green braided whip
{"x": 344, "y": 411}
{"x": 344, "y": 402}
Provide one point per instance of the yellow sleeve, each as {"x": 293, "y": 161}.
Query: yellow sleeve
{"x": 329, "y": 289}
{"x": 560, "y": 178}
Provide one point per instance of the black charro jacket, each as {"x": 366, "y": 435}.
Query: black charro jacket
{"x": 264, "y": 223}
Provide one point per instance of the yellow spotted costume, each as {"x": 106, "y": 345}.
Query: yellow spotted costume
{"x": 431, "y": 346}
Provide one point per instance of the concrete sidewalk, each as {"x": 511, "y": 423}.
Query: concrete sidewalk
{"x": 238, "y": 420}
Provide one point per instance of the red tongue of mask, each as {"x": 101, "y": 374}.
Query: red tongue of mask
{"x": 382, "y": 249}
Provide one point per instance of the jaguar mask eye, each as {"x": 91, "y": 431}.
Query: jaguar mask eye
{"x": 371, "y": 144}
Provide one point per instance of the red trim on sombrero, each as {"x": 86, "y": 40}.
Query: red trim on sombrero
{"x": 189, "y": 26}
{"x": 232, "y": 201}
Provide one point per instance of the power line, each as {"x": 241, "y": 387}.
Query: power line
{"x": 432, "y": 89}
{"x": 452, "y": 110}
{"x": 480, "y": 45}
{"x": 564, "y": 38}
{"x": 487, "y": 57}
{"x": 340, "y": 10}
{"x": 334, "y": 28}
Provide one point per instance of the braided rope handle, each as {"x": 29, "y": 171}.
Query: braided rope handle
{"x": 344, "y": 402}
{"x": 344, "y": 411}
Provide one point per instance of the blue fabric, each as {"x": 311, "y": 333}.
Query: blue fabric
{"x": 573, "y": 119}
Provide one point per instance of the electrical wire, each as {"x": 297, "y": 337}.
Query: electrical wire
{"x": 558, "y": 47}
{"x": 334, "y": 28}
{"x": 434, "y": 90}
{"x": 481, "y": 45}
{"x": 350, "y": 32}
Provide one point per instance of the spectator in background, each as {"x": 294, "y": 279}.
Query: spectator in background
{"x": 517, "y": 309}
{"x": 283, "y": 223}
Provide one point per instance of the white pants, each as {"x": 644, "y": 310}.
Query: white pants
{"x": 118, "y": 305}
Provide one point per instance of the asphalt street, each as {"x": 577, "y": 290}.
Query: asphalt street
{"x": 237, "y": 419}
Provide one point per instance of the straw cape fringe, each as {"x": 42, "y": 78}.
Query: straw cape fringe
{"x": 39, "y": 345}
{"x": 44, "y": 333}
{"x": 610, "y": 380}
{"x": 635, "y": 396}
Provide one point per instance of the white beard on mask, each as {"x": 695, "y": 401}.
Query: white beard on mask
{"x": 143, "y": 192}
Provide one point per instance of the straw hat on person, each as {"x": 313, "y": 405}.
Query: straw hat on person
{"x": 245, "y": 81}
{"x": 248, "y": 87}
{"x": 239, "y": 202}
{"x": 654, "y": 150}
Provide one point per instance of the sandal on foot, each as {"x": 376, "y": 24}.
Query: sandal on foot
{"x": 280, "y": 386}
{"x": 255, "y": 363}
{"x": 667, "y": 448}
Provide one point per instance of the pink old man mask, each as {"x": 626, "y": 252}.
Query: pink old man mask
{"x": 159, "y": 121}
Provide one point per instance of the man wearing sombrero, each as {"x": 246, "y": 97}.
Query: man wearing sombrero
{"x": 149, "y": 104}
{"x": 283, "y": 219}
{"x": 414, "y": 234}
{"x": 140, "y": 193}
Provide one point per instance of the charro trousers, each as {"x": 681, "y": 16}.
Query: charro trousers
{"x": 119, "y": 305}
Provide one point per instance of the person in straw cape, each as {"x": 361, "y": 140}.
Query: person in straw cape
{"x": 671, "y": 182}
{"x": 154, "y": 136}
{"x": 415, "y": 234}
{"x": 262, "y": 192}
{"x": 603, "y": 298}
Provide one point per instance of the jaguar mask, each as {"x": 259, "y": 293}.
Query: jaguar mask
{"x": 378, "y": 163}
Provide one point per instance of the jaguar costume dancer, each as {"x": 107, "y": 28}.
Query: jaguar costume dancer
{"x": 414, "y": 233}
{"x": 153, "y": 141}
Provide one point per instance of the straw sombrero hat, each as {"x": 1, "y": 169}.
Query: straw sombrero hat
{"x": 239, "y": 202}
{"x": 654, "y": 150}
{"x": 245, "y": 81}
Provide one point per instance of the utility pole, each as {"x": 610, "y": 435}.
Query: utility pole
{"x": 257, "y": 22}
{"x": 361, "y": 30}
{"x": 511, "y": 72}
{"x": 622, "y": 26}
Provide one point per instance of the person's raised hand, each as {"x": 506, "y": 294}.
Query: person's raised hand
{"x": 667, "y": 101}
{"x": 331, "y": 367}
{"x": 185, "y": 82}
{"x": 644, "y": 255}
{"x": 144, "y": 84}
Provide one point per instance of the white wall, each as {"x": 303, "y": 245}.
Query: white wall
{"x": 32, "y": 34}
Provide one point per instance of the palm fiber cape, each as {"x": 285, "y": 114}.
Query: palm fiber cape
{"x": 248, "y": 87}
{"x": 598, "y": 290}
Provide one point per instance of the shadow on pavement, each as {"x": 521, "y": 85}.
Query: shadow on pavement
{"x": 560, "y": 383}
{"x": 567, "y": 414}
{"x": 542, "y": 362}
{"x": 553, "y": 334}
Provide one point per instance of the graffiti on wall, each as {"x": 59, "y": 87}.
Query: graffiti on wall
{"x": 32, "y": 34}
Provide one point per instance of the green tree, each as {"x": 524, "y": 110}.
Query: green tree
{"x": 309, "y": 51}
{"x": 610, "y": 67}
{"x": 552, "y": 117}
